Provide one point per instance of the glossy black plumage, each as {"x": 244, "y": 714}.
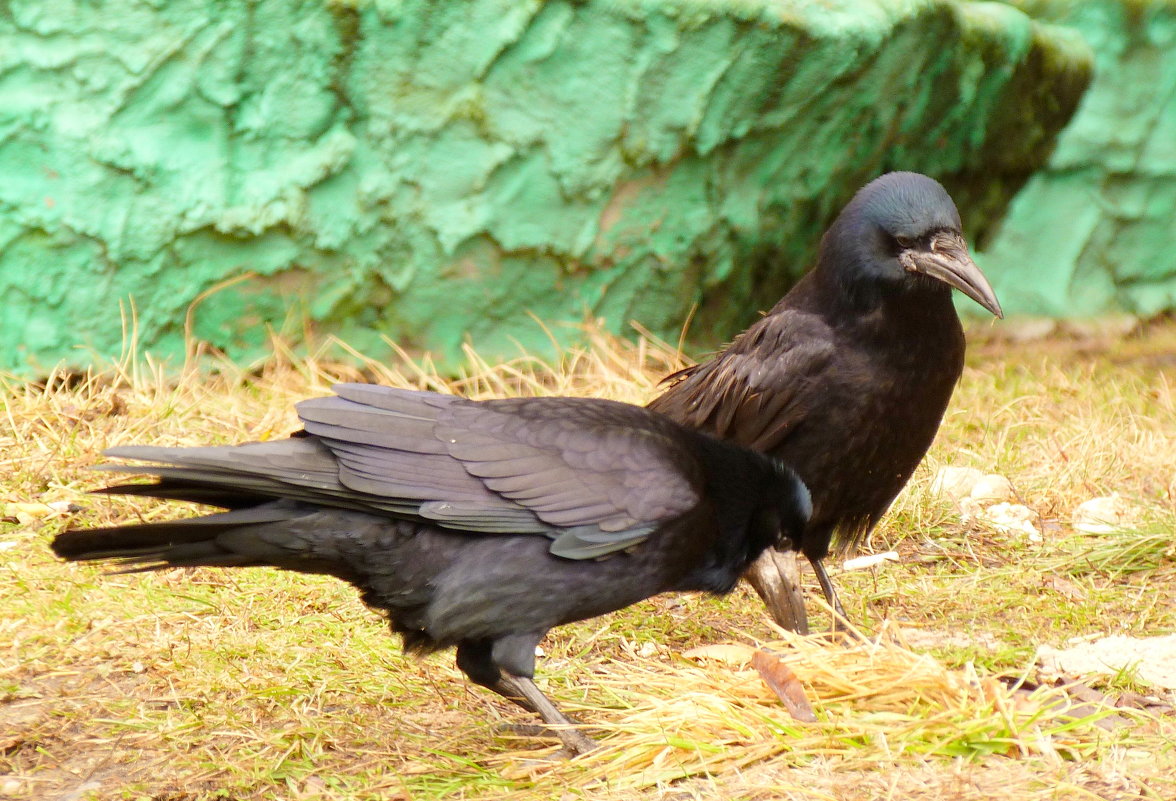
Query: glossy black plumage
{"x": 479, "y": 525}
{"x": 847, "y": 378}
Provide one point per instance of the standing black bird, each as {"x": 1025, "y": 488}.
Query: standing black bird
{"x": 847, "y": 378}
{"x": 474, "y": 524}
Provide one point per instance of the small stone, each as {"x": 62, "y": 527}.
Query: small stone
{"x": 1102, "y": 515}
{"x": 992, "y": 488}
{"x": 955, "y": 482}
{"x": 959, "y": 483}
{"x": 10, "y": 787}
{"x": 970, "y": 509}
{"x": 1013, "y": 518}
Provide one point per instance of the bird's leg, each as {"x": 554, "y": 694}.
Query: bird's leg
{"x": 776, "y": 577}
{"x": 511, "y": 694}
{"x": 523, "y": 691}
{"x": 840, "y": 620}
{"x": 476, "y": 659}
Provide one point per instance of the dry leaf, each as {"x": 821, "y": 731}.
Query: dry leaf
{"x": 727, "y": 653}
{"x": 784, "y": 684}
{"x": 1068, "y": 589}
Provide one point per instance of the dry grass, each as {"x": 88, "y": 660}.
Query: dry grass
{"x": 261, "y": 685}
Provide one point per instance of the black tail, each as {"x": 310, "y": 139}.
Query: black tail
{"x": 174, "y": 489}
{"x": 267, "y": 488}
{"x": 254, "y": 536}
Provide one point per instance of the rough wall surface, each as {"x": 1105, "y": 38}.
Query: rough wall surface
{"x": 1096, "y": 229}
{"x": 432, "y": 171}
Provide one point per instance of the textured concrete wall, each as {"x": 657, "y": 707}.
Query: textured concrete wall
{"x": 1096, "y": 229}
{"x": 431, "y": 171}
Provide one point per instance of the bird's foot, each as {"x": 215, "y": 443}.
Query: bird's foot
{"x": 527, "y": 730}
{"x": 522, "y": 690}
{"x": 574, "y": 742}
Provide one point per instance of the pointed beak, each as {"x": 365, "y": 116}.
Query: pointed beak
{"x": 948, "y": 261}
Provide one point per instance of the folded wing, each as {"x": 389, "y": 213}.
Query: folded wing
{"x": 595, "y": 476}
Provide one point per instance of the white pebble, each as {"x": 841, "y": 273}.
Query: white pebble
{"x": 992, "y": 488}
{"x": 970, "y": 509}
{"x": 955, "y": 482}
{"x": 1102, "y": 515}
{"x": 1013, "y": 517}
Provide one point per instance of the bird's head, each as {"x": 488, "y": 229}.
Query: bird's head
{"x": 787, "y": 507}
{"x": 903, "y": 230}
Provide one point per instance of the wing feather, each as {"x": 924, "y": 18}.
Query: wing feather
{"x": 750, "y": 398}
{"x": 596, "y": 476}
{"x": 548, "y": 464}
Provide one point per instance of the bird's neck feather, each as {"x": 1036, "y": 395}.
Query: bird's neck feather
{"x": 735, "y": 504}
{"x": 849, "y": 290}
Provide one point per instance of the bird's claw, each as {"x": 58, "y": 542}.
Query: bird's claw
{"x": 576, "y": 743}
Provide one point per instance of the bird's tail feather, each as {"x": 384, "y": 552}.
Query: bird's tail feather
{"x": 235, "y": 538}
{"x": 191, "y": 491}
{"x": 239, "y": 476}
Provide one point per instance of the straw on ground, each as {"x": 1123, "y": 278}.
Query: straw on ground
{"x": 258, "y": 684}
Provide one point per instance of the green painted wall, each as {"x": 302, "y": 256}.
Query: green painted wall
{"x": 1095, "y": 230}
{"x": 432, "y": 171}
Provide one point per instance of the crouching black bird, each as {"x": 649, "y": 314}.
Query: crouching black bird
{"x": 479, "y": 525}
{"x": 847, "y": 378}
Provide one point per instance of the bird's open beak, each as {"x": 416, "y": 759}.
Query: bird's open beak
{"x": 948, "y": 261}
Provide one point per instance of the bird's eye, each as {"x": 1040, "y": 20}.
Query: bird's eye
{"x": 904, "y": 242}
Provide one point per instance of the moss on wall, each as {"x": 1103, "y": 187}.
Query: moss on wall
{"x": 432, "y": 171}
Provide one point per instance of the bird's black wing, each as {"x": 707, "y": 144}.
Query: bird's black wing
{"x": 594, "y": 475}
{"x": 240, "y": 476}
{"x": 598, "y": 476}
{"x": 761, "y": 387}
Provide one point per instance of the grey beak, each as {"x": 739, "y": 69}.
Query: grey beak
{"x": 948, "y": 261}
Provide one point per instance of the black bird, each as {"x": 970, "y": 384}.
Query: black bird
{"x": 847, "y": 378}
{"x": 479, "y": 525}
